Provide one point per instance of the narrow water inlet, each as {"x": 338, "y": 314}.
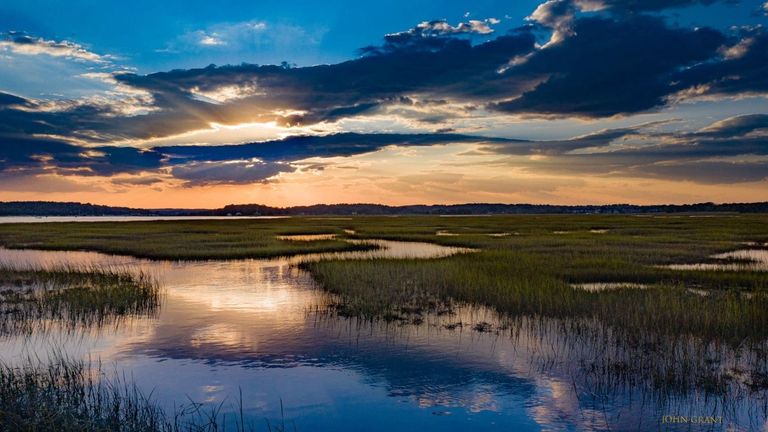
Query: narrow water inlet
{"x": 306, "y": 237}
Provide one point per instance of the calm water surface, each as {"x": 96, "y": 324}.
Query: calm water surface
{"x": 738, "y": 260}
{"x": 43, "y": 219}
{"x": 261, "y": 326}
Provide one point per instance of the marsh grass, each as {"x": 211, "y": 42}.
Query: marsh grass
{"x": 608, "y": 362}
{"x": 663, "y": 338}
{"x": 73, "y": 297}
{"x": 529, "y": 273}
{"x": 191, "y": 240}
{"x": 77, "y": 396}
{"x": 518, "y": 283}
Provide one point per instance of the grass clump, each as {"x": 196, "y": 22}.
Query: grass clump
{"x": 32, "y": 299}
{"x": 519, "y": 283}
{"x": 76, "y": 396}
{"x": 70, "y": 396}
{"x": 193, "y": 240}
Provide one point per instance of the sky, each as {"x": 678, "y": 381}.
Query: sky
{"x": 199, "y": 104}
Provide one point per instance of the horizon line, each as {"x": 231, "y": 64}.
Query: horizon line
{"x": 391, "y": 205}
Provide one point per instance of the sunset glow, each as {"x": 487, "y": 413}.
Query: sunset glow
{"x": 563, "y": 102}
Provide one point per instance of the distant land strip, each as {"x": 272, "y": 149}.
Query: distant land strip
{"x": 50, "y": 208}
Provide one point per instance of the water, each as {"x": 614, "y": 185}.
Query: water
{"x": 738, "y": 260}
{"x": 42, "y": 219}
{"x": 261, "y": 326}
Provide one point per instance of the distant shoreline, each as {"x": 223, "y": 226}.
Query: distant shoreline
{"x": 73, "y": 209}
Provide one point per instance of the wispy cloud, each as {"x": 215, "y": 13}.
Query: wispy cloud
{"x": 19, "y": 43}
{"x": 245, "y": 36}
{"x": 732, "y": 150}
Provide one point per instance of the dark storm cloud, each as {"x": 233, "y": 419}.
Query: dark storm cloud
{"x": 743, "y": 70}
{"x": 248, "y": 163}
{"x": 303, "y": 147}
{"x": 610, "y": 67}
{"x": 38, "y": 154}
{"x": 9, "y": 99}
{"x": 606, "y": 65}
{"x": 288, "y": 96}
{"x": 237, "y": 163}
{"x": 421, "y": 65}
{"x": 560, "y": 14}
{"x": 643, "y": 5}
{"x": 24, "y": 117}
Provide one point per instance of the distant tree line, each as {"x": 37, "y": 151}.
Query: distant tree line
{"x": 50, "y": 208}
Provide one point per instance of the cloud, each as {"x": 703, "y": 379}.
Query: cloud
{"x": 609, "y": 67}
{"x": 37, "y": 155}
{"x": 185, "y": 100}
{"x": 557, "y": 15}
{"x": 196, "y": 165}
{"x": 732, "y": 150}
{"x": 248, "y": 32}
{"x": 137, "y": 180}
{"x": 602, "y": 64}
{"x": 742, "y": 70}
{"x": 296, "y": 148}
{"x": 7, "y": 99}
{"x": 229, "y": 172}
{"x": 245, "y": 37}
{"x": 560, "y": 15}
{"x": 209, "y": 40}
{"x": 19, "y": 43}
{"x": 638, "y": 5}
{"x": 595, "y": 140}
{"x": 43, "y": 183}
{"x": 256, "y": 162}
{"x": 439, "y": 28}
{"x": 737, "y": 126}
{"x": 711, "y": 172}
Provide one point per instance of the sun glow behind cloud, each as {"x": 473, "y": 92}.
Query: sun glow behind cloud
{"x": 587, "y": 103}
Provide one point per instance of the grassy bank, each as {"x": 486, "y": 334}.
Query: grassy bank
{"x": 524, "y": 264}
{"x": 521, "y": 283}
{"x": 655, "y": 239}
{"x": 213, "y": 239}
{"x": 86, "y": 297}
